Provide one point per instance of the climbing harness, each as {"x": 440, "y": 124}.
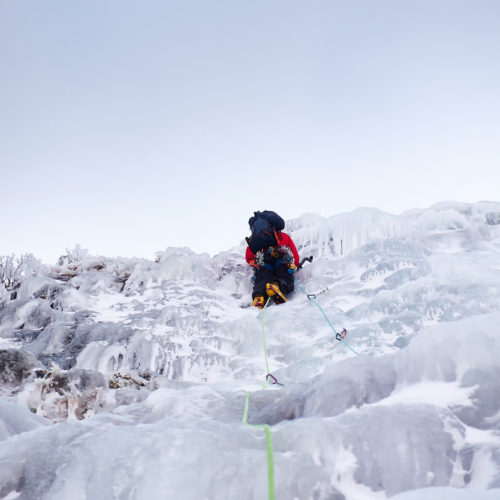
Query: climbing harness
{"x": 283, "y": 255}
{"x": 339, "y": 336}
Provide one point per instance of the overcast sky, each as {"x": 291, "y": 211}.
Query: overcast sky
{"x": 129, "y": 126}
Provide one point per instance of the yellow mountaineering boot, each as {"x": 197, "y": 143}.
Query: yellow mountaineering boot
{"x": 258, "y": 302}
{"x": 273, "y": 290}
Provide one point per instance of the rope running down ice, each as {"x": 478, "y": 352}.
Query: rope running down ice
{"x": 337, "y": 336}
{"x": 267, "y": 429}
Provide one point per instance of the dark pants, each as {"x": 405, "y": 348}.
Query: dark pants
{"x": 278, "y": 274}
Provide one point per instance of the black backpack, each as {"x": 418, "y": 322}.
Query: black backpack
{"x": 263, "y": 226}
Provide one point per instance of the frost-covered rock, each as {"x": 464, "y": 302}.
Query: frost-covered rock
{"x": 15, "y": 366}
{"x": 493, "y": 218}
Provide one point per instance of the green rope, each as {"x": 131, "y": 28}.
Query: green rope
{"x": 305, "y": 293}
{"x": 264, "y": 336}
{"x": 267, "y": 429}
{"x": 269, "y": 446}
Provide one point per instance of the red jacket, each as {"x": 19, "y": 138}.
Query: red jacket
{"x": 283, "y": 239}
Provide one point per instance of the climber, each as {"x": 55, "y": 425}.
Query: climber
{"x": 273, "y": 256}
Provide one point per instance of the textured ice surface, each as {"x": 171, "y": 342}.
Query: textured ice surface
{"x": 14, "y": 419}
{"x": 448, "y": 494}
{"x": 142, "y": 366}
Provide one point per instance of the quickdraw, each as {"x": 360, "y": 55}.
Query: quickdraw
{"x": 341, "y": 335}
{"x": 274, "y": 378}
{"x": 259, "y": 259}
{"x": 311, "y": 296}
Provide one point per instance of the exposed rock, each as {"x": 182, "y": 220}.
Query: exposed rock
{"x": 15, "y": 366}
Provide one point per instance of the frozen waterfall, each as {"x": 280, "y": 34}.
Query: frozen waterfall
{"x": 125, "y": 378}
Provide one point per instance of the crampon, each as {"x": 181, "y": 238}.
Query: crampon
{"x": 273, "y": 290}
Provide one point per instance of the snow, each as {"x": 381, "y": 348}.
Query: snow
{"x": 126, "y": 378}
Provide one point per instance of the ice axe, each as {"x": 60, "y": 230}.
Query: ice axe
{"x": 309, "y": 259}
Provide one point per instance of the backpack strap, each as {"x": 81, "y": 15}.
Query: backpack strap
{"x": 277, "y": 234}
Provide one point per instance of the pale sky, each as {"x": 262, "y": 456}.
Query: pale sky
{"x": 129, "y": 126}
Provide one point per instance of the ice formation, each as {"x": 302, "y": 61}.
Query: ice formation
{"x": 126, "y": 378}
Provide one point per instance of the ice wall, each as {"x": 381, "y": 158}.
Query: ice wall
{"x": 142, "y": 366}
